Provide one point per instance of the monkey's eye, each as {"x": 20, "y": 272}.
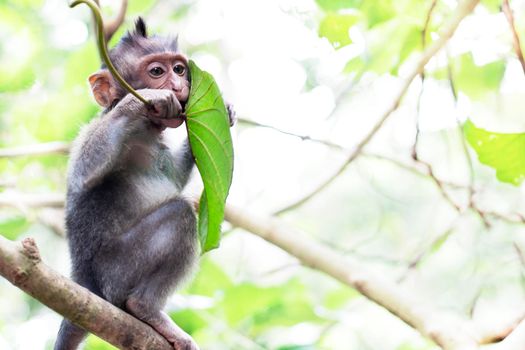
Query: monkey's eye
{"x": 179, "y": 69}
{"x": 156, "y": 71}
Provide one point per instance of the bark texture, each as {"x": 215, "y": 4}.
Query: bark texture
{"x": 21, "y": 265}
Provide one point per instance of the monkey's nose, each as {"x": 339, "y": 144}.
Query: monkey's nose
{"x": 176, "y": 86}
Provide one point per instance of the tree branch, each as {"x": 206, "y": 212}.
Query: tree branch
{"x": 302, "y": 137}
{"x": 21, "y": 265}
{"x": 505, "y": 7}
{"x": 20, "y": 200}
{"x": 37, "y": 149}
{"x": 112, "y": 26}
{"x": 444, "y": 329}
{"x": 514, "y": 341}
{"x": 464, "y": 8}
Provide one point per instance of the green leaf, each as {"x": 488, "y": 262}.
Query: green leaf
{"x": 503, "y": 152}
{"x": 492, "y": 5}
{"x": 140, "y": 7}
{"x": 210, "y": 280}
{"x": 259, "y": 308}
{"x": 209, "y": 134}
{"x": 95, "y": 343}
{"x": 189, "y": 320}
{"x": 338, "y": 297}
{"x": 384, "y": 55}
{"x": 335, "y": 28}
{"x": 378, "y": 11}
{"x": 335, "y": 5}
{"x": 12, "y": 227}
{"x": 473, "y": 80}
{"x": 17, "y": 71}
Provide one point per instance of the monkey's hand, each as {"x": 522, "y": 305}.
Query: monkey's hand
{"x": 231, "y": 114}
{"x": 164, "y": 110}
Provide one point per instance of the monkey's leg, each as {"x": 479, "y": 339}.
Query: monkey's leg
{"x": 162, "y": 323}
{"x": 69, "y": 336}
{"x": 146, "y": 263}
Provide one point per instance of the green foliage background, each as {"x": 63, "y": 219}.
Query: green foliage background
{"x": 248, "y": 294}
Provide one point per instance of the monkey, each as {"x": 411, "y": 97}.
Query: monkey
{"x": 132, "y": 236}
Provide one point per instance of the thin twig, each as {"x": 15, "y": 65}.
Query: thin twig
{"x": 103, "y": 49}
{"x": 415, "y": 155}
{"x": 471, "y": 203}
{"x": 342, "y": 148}
{"x": 513, "y": 338}
{"x": 23, "y": 200}
{"x": 464, "y": 8}
{"x": 505, "y": 7}
{"x": 428, "y": 247}
{"x": 34, "y": 150}
{"x": 302, "y": 137}
{"x": 112, "y": 26}
{"x": 427, "y": 172}
{"x": 412, "y": 169}
{"x": 423, "y": 45}
{"x": 439, "y": 184}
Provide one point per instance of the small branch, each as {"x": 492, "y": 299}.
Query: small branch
{"x": 19, "y": 200}
{"x": 21, "y": 265}
{"x": 501, "y": 331}
{"x": 425, "y": 251}
{"x": 103, "y": 48}
{"x": 471, "y": 203}
{"x": 505, "y": 7}
{"x": 464, "y": 8}
{"x": 35, "y": 150}
{"x": 519, "y": 253}
{"x": 53, "y": 219}
{"x": 437, "y": 182}
{"x": 415, "y": 155}
{"x": 514, "y": 341}
{"x": 302, "y": 137}
{"x": 111, "y": 27}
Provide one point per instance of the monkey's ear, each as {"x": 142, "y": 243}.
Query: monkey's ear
{"x": 103, "y": 87}
{"x": 140, "y": 28}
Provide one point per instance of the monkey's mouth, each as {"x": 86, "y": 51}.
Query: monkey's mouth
{"x": 162, "y": 124}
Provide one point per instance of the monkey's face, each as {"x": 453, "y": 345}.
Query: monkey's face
{"x": 166, "y": 70}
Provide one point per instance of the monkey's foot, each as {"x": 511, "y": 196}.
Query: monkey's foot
{"x": 163, "y": 324}
{"x": 174, "y": 334}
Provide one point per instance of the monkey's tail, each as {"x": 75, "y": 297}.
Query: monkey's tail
{"x": 69, "y": 336}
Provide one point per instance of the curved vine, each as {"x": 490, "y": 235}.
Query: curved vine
{"x": 102, "y": 47}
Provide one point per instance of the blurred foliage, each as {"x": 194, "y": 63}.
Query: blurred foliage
{"x": 503, "y": 152}
{"x": 474, "y": 80}
{"x": 377, "y": 212}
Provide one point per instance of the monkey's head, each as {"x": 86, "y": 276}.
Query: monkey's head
{"x": 145, "y": 62}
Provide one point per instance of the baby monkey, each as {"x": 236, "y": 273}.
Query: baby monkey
{"x": 132, "y": 237}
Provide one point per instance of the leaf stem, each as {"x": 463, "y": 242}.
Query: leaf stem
{"x": 102, "y": 48}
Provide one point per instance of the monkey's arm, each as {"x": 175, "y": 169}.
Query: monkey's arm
{"x": 183, "y": 161}
{"x": 103, "y": 145}
{"x": 99, "y": 148}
